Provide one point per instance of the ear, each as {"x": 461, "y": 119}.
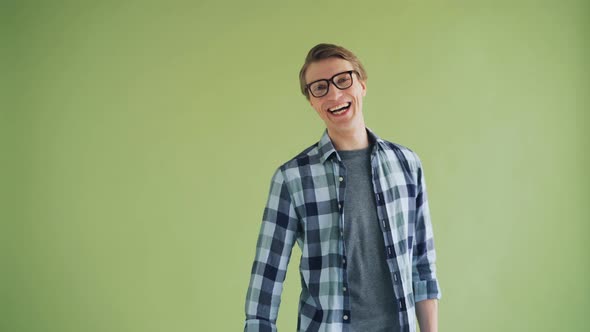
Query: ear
{"x": 364, "y": 87}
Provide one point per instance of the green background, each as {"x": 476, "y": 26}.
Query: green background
{"x": 139, "y": 139}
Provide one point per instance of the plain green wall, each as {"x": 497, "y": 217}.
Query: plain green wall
{"x": 141, "y": 138}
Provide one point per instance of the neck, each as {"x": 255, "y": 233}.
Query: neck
{"x": 354, "y": 139}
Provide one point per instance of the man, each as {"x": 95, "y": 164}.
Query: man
{"x": 357, "y": 207}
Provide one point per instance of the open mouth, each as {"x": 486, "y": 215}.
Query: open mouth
{"x": 339, "y": 109}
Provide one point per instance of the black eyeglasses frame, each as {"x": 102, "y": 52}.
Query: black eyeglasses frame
{"x": 349, "y": 72}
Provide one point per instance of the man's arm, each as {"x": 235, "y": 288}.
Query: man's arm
{"x": 277, "y": 235}
{"x": 427, "y": 312}
{"x": 425, "y": 283}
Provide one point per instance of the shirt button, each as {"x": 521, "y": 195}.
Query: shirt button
{"x": 344, "y": 289}
{"x": 343, "y": 261}
{"x": 339, "y": 206}
{"x": 340, "y": 179}
{"x": 345, "y": 317}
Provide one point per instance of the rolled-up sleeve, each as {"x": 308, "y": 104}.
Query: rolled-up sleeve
{"x": 425, "y": 282}
{"x": 277, "y": 236}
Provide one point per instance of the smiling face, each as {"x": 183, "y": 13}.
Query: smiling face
{"x": 341, "y": 110}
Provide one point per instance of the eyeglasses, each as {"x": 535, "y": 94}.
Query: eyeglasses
{"x": 342, "y": 81}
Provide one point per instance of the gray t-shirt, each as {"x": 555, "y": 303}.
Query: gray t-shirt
{"x": 372, "y": 301}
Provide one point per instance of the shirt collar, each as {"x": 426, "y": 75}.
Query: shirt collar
{"x": 326, "y": 148}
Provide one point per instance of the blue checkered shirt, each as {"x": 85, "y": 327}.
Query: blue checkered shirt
{"x": 306, "y": 204}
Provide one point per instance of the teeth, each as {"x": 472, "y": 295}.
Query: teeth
{"x": 338, "y": 107}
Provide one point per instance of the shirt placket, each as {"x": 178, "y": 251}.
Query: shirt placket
{"x": 340, "y": 182}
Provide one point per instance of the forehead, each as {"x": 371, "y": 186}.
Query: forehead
{"x": 326, "y": 68}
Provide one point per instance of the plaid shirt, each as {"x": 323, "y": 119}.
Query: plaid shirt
{"x": 305, "y": 204}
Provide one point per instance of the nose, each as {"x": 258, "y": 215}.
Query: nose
{"x": 333, "y": 92}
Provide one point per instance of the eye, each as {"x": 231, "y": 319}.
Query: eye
{"x": 341, "y": 80}
{"x": 320, "y": 87}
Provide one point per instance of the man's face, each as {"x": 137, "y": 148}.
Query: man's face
{"x": 341, "y": 110}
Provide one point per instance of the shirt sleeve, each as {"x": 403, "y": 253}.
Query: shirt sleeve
{"x": 425, "y": 282}
{"x": 277, "y": 236}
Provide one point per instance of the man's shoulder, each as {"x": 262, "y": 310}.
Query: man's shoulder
{"x": 401, "y": 151}
{"x": 407, "y": 157}
{"x": 299, "y": 165}
{"x": 307, "y": 157}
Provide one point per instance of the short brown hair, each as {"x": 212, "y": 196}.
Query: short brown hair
{"x": 324, "y": 51}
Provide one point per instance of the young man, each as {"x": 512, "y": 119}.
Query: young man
{"x": 357, "y": 207}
